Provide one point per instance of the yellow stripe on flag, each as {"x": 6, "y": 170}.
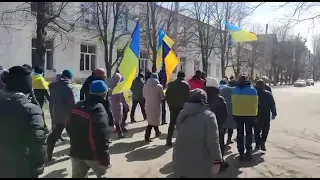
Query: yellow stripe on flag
{"x": 128, "y": 69}
{"x": 171, "y": 61}
{"x": 243, "y": 36}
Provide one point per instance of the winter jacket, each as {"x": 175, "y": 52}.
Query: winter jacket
{"x": 22, "y": 137}
{"x": 177, "y": 93}
{"x": 40, "y": 88}
{"x": 89, "y": 131}
{"x": 196, "y": 83}
{"x": 84, "y": 91}
{"x": 244, "y": 100}
{"x": 217, "y": 105}
{"x": 266, "y": 104}
{"x": 136, "y": 89}
{"x": 268, "y": 88}
{"x": 197, "y": 143}
{"x": 226, "y": 92}
{"x": 62, "y": 100}
{"x": 153, "y": 94}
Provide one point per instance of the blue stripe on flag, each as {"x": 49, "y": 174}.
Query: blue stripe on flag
{"x": 232, "y": 27}
{"x": 135, "y": 42}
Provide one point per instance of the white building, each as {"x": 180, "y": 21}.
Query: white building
{"x": 80, "y": 52}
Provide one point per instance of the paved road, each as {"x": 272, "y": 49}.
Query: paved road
{"x": 293, "y": 148}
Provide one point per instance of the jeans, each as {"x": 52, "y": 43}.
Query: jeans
{"x": 148, "y": 131}
{"x": 53, "y": 137}
{"x": 244, "y": 125}
{"x": 174, "y": 112}
{"x": 142, "y": 107}
{"x": 163, "y": 111}
{"x": 261, "y": 130}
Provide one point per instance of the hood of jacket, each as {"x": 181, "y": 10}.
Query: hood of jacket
{"x": 152, "y": 82}
{"x": 14, "y": 96}
{"x": 192, "y": 109}
{"x": 212, "y": 93}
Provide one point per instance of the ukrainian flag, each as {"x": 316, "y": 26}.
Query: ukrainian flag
{"x": 130, "y": 62}
{"x": 162, "y": 37}
{"x": 239, "y": 35}
{"x": 169, "y": 61}
{"x": 244, "y": 101}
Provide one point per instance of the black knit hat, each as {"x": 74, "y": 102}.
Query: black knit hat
{"x": 19, "y": 80}
{"x": 38, "y": 70}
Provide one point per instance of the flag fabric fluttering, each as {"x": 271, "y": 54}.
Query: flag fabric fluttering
{"x": 162, "y": 37}
{"x": 240, "y": 35}
{"x": 130, "y": 62}
{"x": 169, "y": 62}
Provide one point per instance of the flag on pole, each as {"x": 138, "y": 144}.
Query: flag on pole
{"x": 169, "y": 62}
{"x": 130, "y": 62}
{"x": 239, "y": 35}
{"x": 162, "y": 37}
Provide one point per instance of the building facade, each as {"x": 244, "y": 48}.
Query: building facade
{"x": 79, "y": 50}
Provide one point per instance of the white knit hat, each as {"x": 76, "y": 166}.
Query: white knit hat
{"x": 212, "y": 82}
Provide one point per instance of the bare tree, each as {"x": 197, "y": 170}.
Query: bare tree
{"x": 316, "y": 57}
{"x": 50, "y": 16}
{"x": 108, "y": 21}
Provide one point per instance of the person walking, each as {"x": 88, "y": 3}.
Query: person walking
{"x": 97, "y": 74}
{"x": 230, "y": 124}
{"x": 196, "y": 81}
{"x": 244, "y": 100}
{"x": 60, "y": 105}
{"x": 197, "y": 152}
{"x": 58, "y": 77}
{"x": 22, "y": 133}
{"x": 153, "y": 94}
{"x": 217, "y": 105}
{"x": 90, "y": 134}
{"x": 34, "y": 100}
{"x": 118, "y": 103}
{"x": 266, "y": 87}
{"x": 262, "y": 124}
{"x": 137, "y": 97}
{"x": 177, "y": 94}
{"x": 40, "y": 86}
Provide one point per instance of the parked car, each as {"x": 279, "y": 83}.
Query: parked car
{"x": 310, "y": 82}
{"x": 300, "y": 83}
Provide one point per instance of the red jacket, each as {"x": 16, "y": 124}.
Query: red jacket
{"x": 196, "y": 83}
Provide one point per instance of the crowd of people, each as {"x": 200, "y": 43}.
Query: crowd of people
{"x": 202, "y": 110}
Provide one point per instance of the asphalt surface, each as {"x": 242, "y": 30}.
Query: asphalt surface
{"x": 293, "y": 148}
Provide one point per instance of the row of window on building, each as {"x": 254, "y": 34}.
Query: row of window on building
{"x": 88, "y": 60}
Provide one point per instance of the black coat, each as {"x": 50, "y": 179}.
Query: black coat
{"x": 22, "y": 137}
{"x": 177, "y": 93}
{"x": 266, "y": 104}
{"x": 217, "y": 105}
{"x": 88, "y": 131}
{"x": 85, "y": 93}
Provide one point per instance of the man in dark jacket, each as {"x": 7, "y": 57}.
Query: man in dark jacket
{"x": 22, "y": 134}
{"x": 262, "y": 124}
{"x": 60, "y": 105}
{"x": 244, "y": 100}
{"x": 98, "y": 74}
{"x": 163, "y": 81}
{"x": 177, "y": 94}
{"x": 137, "y": 97}
{"x": 217, "y": 105}
{"x": 89, "y": 133}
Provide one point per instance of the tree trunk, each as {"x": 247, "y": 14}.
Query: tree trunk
{"x": 40, "y": 43}
{"x": 106, "y": 61}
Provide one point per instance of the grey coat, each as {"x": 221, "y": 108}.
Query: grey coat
{"x": 62, "y": 100}
{"x": 197, "y": 143}
{"x": 226, "y": 92}
{"x": 136, "y": 89}
{"x": 153, "y": 94}
{"x": 117, "y": 100}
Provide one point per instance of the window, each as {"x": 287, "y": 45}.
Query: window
{"x": 123, "y": 20}
{"x": 87, "y": 58}
{"x": 196, "y": 66}
{"x": 183, "y": 64}
{"x": 209, "y": 69}
{"x": 218, "y": 70}
{"x": 48, "y": 56}
{"x": 144, "y": 59}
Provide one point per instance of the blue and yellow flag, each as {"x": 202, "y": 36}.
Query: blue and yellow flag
{"x": 239, "y": 35}
{"x": 162, "y": 37}
{"x": 130, "y": 62}
{"x": 169, "y": 62}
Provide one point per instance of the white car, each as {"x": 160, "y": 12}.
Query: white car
{"x": 300, "y": 83}
{"x": 310, "y": 82}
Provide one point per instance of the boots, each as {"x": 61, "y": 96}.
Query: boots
{"x": 119, "y": 131}
{"x": 263, "y": 147}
